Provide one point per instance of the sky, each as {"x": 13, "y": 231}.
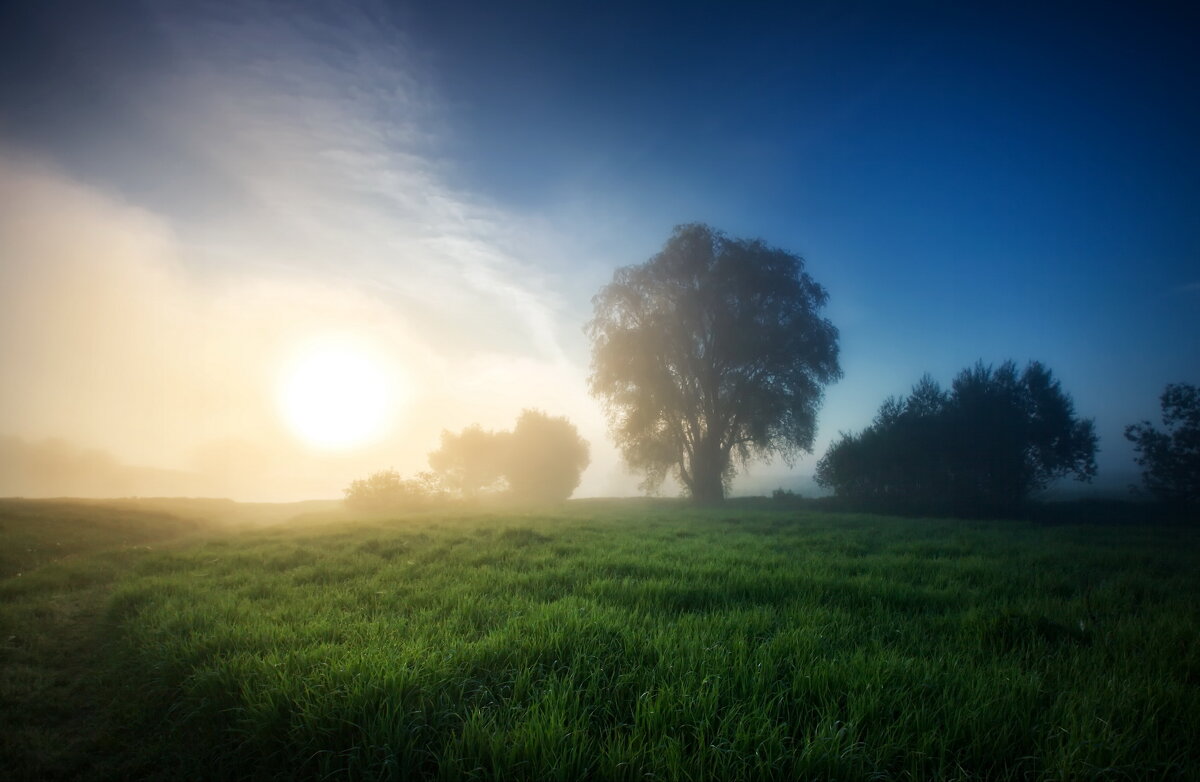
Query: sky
{"x": 193, "y": 195}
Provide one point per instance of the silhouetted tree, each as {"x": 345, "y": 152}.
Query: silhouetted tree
{"x": 1171, "y": 458}
{"x": 387, "y": 490}
{"x": 545, "y": 459}
{"x": 995, "y": 437}
{"x": 713, "y": 348}
{"x": 902, "y": 457}
{"x": 472, "y": 461}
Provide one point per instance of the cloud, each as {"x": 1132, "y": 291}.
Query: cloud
{"x": 329, "y": 145}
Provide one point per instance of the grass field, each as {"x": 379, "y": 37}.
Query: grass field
{"x": 606, "y": 640}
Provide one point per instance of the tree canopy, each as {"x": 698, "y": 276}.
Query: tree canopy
{"x": 472, "y": 461}
{"x": 546, "y": 458}
{"x": 995, "y": 437}
{"x": 711, "y": 351}
{"x": 1171, "y": 458}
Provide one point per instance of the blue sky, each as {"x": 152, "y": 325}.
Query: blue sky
{"x": 1015, "y": 182}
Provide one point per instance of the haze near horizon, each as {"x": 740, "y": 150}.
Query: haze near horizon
{"x": 258, "y": 252}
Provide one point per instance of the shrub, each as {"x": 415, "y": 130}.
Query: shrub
{"x": 387, "y": 490}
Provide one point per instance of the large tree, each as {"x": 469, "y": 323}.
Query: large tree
{"x": 1171, "y": 458}
{"x": 712, "y": 352}
{"x": 995, "y": 437}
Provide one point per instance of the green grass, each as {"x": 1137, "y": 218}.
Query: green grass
{"x": 38, "y": 532}
{"x": 619, "y": 641}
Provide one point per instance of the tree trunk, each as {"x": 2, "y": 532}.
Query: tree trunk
{"x": 708, "y": 472}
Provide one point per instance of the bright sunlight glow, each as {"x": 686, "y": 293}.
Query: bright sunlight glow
{"x": 337, "y": 394}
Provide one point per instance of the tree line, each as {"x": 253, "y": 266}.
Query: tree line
{"x": 715, "y": 352}
{"x": 985, "y": 444}
{"x": 995, "y": 438}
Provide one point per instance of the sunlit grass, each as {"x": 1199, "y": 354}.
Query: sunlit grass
{"x": 638, "y": 642}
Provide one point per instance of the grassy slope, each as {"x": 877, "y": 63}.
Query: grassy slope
{"x": 34, "y": 533}
{"x": 616, "y": 641}
{"x": 58, "y": 562}
{"x": 58, "y": 559}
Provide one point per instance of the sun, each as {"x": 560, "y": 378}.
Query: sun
{"x": 337, "y": 393}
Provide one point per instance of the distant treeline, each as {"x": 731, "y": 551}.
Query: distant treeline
{"x": 715, "y": 352}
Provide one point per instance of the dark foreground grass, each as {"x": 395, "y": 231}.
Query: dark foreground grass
{"x": 58, "y": 560}
{"x": 641, "y": 642}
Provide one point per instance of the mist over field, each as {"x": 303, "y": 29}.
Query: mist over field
{"x": 169, "y": 375}
{"x": 405, "y": 390}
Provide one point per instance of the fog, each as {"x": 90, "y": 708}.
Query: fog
{"x": 128, "y": 373}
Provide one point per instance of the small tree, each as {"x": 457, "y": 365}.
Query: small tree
{"x": 546, "y": 458}
{"x": 387, "y": 490}
{"x": 1014, "y": 432}
{"x": 903, "y": 457}
{"x": 473, "y": 460}
{"x": 1171, "y": 458}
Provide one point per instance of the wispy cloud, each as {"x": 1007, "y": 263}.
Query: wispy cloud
{"x": 319, "y": 120}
